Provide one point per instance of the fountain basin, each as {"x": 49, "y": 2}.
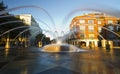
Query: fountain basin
{"x": 60, "y": 48}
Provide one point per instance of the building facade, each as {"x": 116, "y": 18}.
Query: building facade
{"x": 39, "y": 39}
{"x": 112, "y": 35}
{"x": 29, "y": 20}
{"x": 89, "y": 26}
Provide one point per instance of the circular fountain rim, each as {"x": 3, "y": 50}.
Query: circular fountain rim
{"x": 76, "y": 49}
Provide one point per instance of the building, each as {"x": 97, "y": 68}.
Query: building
{"x": 112, "y": 35}
{"x": 29, "y": 20}
{"x": 88, "y": 28}
{"x": 35, "y": 31}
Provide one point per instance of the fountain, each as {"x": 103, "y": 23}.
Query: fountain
{"x": 13, "y": 29}
{"x": 32, "y": 56}
{"x": 60, "y": 48}
{"x": 60, "y": 45}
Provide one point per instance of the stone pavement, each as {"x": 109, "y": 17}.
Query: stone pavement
{"x": 33, "y": 61}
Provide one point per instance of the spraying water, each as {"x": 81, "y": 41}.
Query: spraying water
{"x": 14, "y": 29}
{"x": 8, "y": 23}
{"x": 100, "y": 8}
{"x": 111, "y": 31}
{"x": 32, "y": 27}
{"x": 31, "y": 6}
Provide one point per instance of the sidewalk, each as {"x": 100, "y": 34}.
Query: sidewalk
{"x": 33, "y": 61}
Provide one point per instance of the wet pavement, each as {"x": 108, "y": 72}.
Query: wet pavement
{"x": 33, "y": 61}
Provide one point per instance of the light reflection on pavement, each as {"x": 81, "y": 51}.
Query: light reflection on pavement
{"x": 33, "y": 61}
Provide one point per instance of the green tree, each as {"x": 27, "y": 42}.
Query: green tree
{"x": 2, "y": 7}
{"x": 8, "y": 26}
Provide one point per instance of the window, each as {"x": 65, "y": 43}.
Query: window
{"x": 99, "y": 22}
{"x": 118, "y": 28}
{"x": 111, "y": 27}
{"x": 91, "y": 36}
{"x": 90, "y": 21}
{"x": 110, "y": 22}
{"x": 91, "y": 28}
{"x": 81, "y": 21}
{"x": 82, "y": 36}
{"x": 78, "y": 24}
{"x": 82, "y": 28}
{"x": 74, "y": 23}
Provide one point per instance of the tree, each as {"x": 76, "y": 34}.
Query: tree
{"x": 9, "y": 26}
{"x": 3, "y": 7}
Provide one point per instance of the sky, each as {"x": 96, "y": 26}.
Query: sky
{"x": 61, "y": 11}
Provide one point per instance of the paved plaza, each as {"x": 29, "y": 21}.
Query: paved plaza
{"x": 33, "y": 61}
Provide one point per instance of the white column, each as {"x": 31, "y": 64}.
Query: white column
{"x": 87, "y": 43}
{"x": 104, "y": 43}
{"x": 96, "y": 43}
{"x": 7, "y": 43}
{"x": 111, "y": 44}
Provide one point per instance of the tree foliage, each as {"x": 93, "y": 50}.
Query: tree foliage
{"x": 9, "y": 26}
{"x": 8, "y": 18}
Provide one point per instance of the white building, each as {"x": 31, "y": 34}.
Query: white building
{"x": 29, "y": 20}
